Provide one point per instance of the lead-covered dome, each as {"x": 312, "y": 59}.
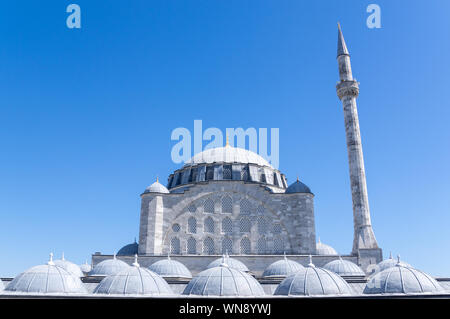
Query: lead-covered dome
{"x": 402, "y": 279}
{"x": 2, "y": 286}
{"x": 228, "y": 154}
{"x": 231, "y": 262}
{"x": 169, "y": 268}
{"x": 344, "y": 268}
{"x": 85, "y": 268}
{"x": 297, "y": 187}
{"x": 69, "y": 266}
{"x": 134, "y": 281}
{"x": 390, "y": 262}
{"x": 109, "y": 267}
{"x": 157, "y": 187}
{"x": 130, "y": 249}
{"x": 282, "y": 268}
{"x": 224, "y": 281}
{"x": 313, "y": 281}
{"x": 47, "y": 279}
{"x": 323, "y": 249}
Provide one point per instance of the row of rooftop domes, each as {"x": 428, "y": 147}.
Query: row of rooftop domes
{"x": 223, "y": 277}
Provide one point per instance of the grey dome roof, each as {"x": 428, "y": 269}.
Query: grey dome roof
{"x": 129, "y": 250}
{"x": 282, "y": 268}
{"x": 231, "y": 262}
{"x": 134, "y": 281}
{"x": 313, "y": 281}
{"x": 223, "y": 281}
{"x": 109, "y": 267}
{"x": 390, "y": 262}
{"x": 47, "y": 279}
{"x": 85, "y": 267}
{"x": 323, "y": 249}
{"x": 157, "y": 187}
{"x": 228, "y": 154}
{"x": 297, "y": 187}
{"x": 69, "y": 266}
{"x": 402, "y": 280}
{"x": 169, "y": 268}
{"x": 2, "y": 286}
{"x": 344, "y": 268}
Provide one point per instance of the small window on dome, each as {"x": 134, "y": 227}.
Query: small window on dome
{"x": 193, "y": 176}
{"x": 244, "y": 173}
{"x": 209, "y": 173}
{"x": 176, "y": 228}
{"x": 227, "y": 172}
{"x": 275, "y": 180}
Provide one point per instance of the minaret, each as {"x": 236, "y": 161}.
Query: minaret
{"x": 347, "y": 90}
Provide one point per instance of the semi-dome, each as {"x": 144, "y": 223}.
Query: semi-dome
{"x": 390, "y": 262}
{"x": 69, "y": 266}
{"x": 228, "y": 154}
{"x": 134, "y": 280}
{"x": 130, "y": 249}
{"x": 157, "y": 187}
{"x": 169, "y": 268}
{"x": 223, "y": 281}
{"x": 312, "y": 281}
{"x": 47, "y": 279}
{"x": 344, "y": 268}
{"x": 297, "y": 187}
{"x": 282, "y": 268}
{"x": 323, "y": 249}
{"x": 109, "y": 267}
{"x": 231, "y": 262}
{"x": 402, "y": 279}
{"x": 85, "y": 268}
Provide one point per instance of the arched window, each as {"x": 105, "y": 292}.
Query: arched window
{"x": 245, "y": 246}
{"x": 191, "y": 246}
{"x": 191, "y": 209}
{"x": 227, "y": 205}
{"x": 208, "y": 206}
{"x": 192, "y": 225}
{"x": 277, "y": 228}
{"x": 262, "y": 226}
{"x": 208, "y": 246}
{"x": 244, "y": 173}
{"x": 176, "y": 228}
{"x": 227, "y": 226}
{"x": 209, "y": 225}
{"x": 260, "y": 210}
{"x": 175, "y": 246}
{"x": 245, "y": 225}
{"x": 245, "y": 207}
{"x": 262, "y": 246}
{"x": 278, "y": 245}
{"x": 227, "y": 245}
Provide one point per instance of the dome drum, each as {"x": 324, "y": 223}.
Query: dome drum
{"x": 227, "y": 171}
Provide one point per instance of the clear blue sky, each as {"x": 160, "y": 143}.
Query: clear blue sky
{"x": 86, "y": 115}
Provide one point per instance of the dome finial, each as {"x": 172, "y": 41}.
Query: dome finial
{"x": 135, "y": 264}
{"x": 228, "y": 141}
{"x": 310, "y": 262}
{"x": 168, "y": 255}
{"x": 398, "y": 259}
{"x": 50, "y": 262}
{"x": 157, "y": 178}
{"x": 62, "y": 256}
{"x": 390, "y": 255}
{"x": 298, "y": 179}
{"x": 114, "y": 255}
{"x": 284, "y": 253}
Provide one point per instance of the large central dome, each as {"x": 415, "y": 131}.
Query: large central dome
{"x": 228, "y": 154}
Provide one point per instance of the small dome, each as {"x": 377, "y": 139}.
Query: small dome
{"x": 134, "y": 281}
{"x": 129, "y": 250}
{"x": 313, "y": 281}
{"x": 70, "y": 267}
{"x": 323, "y": 249}
{"x": 2, "y": 286}
{"x": 157, "y": 187}
{"x": 344, "y": 268}
{"x": 85, "y": 268}
{"x": 401, "y": 279}
{"x": 297, "y": 187}
{"x": 231, "y": 262}
{"x": 168, "y": 268}
{"x": 47, "y": 279}
{"x": 388, "y": 263}
{"x": 109, "y": 267}
{"x": 282, "y": 268}
{"x": 223, "y": 281}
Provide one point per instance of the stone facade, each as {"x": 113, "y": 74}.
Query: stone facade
{"x": 216, "y": 217}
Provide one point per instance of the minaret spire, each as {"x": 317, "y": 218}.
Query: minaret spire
{"x": 347, "y": 90}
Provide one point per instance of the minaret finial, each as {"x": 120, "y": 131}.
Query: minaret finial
{"x": 228, "y": 141}
{"x": 342, "y": 47}
{"x": 390, "y": 255}
{"x": 62, "y": 256}
{"x": 157, "y": 179}
{"x": 298, "y": 179}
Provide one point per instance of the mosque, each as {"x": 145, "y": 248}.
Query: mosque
{"x": 228, "y": 224}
